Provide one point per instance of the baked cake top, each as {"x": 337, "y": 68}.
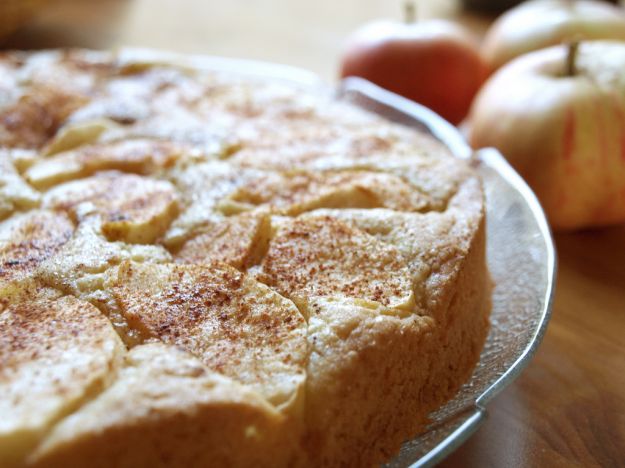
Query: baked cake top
{"x": 209, "y": 212}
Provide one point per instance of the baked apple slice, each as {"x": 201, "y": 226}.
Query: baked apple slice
{"x": 235, "y": 325}
{"x": 166, "y": 408}
{"x": 292, "y": 193}
{"x": 137, "y": 156}
{"x": 77, "y": 267}
{"x": 35, "y": 117}
{"x": 15, "y": 193}
{"x": 240, "y": 241}
{"x": 202, "y": 187}
{"x": 434, "y": 246}
{"x": 28, "y": 239}
{"x": 323, "y": 256}
{"x": 54, "y": 355}
{"x": 133, "y": 209}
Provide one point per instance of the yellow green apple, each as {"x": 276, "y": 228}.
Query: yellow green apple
{"x": 558, "y": 116}
{"x": 537, "y": 24}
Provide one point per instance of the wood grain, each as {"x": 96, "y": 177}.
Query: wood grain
{"x": 568, "y": 407}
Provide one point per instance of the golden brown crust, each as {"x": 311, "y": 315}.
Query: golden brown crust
{"x": 292, "y": 193}
{"x": 28, "y": 239}
{"x": 164, "y": 410}
{"x": 295, "y": 282}
{"x": 15, "y": 193}
{"x": 240, "y": 241}
{"x": 135, "y": 209}
{"x": 325, "y": 257}
{"x": 445, "y": 340}
{"x": 236, "y": 326}
{"x": 203, "y": 188}
{"x": 55, "y": 354}
{"x": 136, "y": 156}
{"x": 36, "y": 117}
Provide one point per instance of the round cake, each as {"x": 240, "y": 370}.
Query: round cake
{"x": 203, "y": 268}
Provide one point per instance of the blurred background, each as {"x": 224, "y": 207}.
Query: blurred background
{"x": 568, "y": 407}
{"x": 303, "y": 33}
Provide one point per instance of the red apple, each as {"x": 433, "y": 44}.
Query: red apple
{"x": 559, "y": 118}
{"x": 537, "y": 24}
{"x": 434, "y": 62}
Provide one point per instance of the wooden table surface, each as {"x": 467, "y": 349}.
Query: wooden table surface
{"x": 568, "y": 406}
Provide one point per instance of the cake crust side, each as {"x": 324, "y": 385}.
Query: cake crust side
{"x": 420, "y": 360}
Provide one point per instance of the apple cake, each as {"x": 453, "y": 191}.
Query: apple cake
{"x": 201, "y": 268}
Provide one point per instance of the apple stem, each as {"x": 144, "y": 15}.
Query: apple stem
{"x": 571, "y": 56}
{"x": 410, "y": 11}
